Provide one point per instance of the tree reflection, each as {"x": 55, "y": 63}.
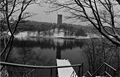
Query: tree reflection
{"x": 38, "y": 52}
{"x": 50, "y": 43}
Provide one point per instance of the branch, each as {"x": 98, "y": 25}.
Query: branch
{"x": 12, "y": 8}
{"x": 67, "y": 7}
{"x": 7, "y": 17}
{"x": 118, "y": 1}
{"x": 37, "y": 67}
{"x": 84, "y": 12}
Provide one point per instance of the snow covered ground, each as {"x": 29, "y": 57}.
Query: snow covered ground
{"x": 65, "y": 72}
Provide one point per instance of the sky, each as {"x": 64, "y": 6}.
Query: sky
{"x": 42, "y": 15}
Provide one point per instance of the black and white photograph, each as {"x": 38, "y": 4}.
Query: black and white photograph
{"x": 59, "y": 38}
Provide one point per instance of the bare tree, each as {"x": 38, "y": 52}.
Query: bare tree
{"x": 11, "y": 14}
{"x": 118, "y": 1}
{"x": 102, "y": 14}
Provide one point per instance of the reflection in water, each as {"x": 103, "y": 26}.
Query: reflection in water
{"x": 58, "y": 51}
{"x": 50, "y": 43}
{"x": 44, "y": 52}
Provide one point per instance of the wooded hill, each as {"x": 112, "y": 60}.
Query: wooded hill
{"x": 28, "y": 25}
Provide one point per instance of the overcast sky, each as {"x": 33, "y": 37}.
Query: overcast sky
{"x": 41, "y": 14}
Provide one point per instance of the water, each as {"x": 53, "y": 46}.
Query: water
{"x": 44, "y": 52}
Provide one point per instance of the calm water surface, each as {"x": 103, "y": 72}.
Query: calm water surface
{"x": 44, "y": 51}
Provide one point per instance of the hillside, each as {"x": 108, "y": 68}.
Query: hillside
{"x": 28, "y": 25}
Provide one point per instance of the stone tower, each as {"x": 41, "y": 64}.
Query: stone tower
{"x": 59, "y": 20}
